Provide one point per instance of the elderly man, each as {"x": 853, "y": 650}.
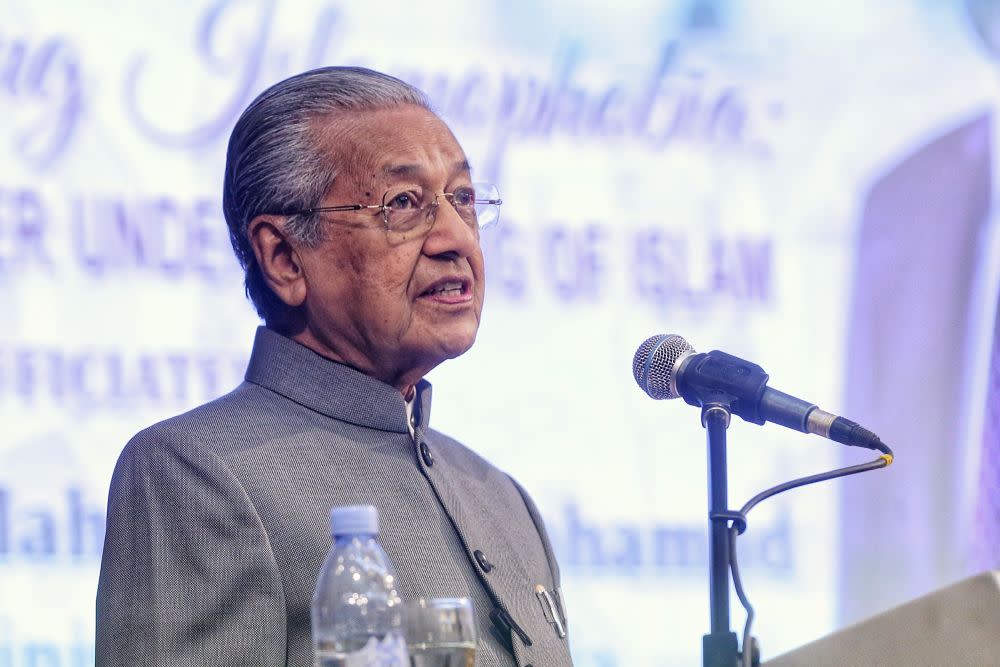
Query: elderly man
{"x": 351, "y": 208}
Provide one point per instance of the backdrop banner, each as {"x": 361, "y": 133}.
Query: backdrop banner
{"x": 805, "y": 185}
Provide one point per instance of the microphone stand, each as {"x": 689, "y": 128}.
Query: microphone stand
{"x": 721, "y": 386}
{"x": 720, "y": 647}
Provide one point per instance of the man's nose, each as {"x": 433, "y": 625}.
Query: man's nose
{"x": 450, "y": 233}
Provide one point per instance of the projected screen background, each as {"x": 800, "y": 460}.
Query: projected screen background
{"x": 775, "y": 182}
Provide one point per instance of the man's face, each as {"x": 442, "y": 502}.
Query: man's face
{"x": 374, "y": 300}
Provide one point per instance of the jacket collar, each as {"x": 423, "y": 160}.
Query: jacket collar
{"x": 332, "y": 389}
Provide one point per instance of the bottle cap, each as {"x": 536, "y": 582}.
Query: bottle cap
{"x": 354, "y": 520}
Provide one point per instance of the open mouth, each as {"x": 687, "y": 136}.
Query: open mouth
{"x": 447, "y": 289}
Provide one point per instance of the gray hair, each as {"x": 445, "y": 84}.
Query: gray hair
{"x": 275, "y": 164}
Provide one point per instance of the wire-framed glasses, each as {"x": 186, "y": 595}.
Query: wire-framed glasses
{"x": 413, "y": 210}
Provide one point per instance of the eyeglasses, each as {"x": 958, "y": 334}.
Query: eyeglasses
{"x": 413, "y": 211}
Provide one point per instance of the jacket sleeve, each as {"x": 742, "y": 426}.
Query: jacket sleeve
{"x": 187, "y": 573}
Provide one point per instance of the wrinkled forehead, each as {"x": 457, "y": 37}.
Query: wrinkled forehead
{"x": 382, "y": 147}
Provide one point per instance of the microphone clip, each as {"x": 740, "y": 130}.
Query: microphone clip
{"x": 719, "y": 379}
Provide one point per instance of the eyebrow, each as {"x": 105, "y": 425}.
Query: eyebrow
{"x": 412, "y": 170}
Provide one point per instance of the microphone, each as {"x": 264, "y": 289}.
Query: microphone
{"x": 666, "y": 366}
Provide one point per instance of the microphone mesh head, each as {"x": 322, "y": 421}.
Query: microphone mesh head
{"x": 653, "y": 364}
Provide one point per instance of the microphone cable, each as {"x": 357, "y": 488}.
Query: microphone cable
{"x": 739, "y": 525}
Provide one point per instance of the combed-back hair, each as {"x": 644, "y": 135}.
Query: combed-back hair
{"x": 276, "y": 163}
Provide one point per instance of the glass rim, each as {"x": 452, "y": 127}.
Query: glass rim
{"x": 447, "y": 602}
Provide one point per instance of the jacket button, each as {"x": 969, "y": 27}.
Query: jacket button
{"x": 481, "y": 559}
{"x": 425, "y": 454}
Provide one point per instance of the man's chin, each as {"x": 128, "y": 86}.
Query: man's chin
{"x": 457, "y": 346}
{"x": 449, "y": 346}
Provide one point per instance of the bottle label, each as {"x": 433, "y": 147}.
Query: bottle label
{"x": 390, "y": 652}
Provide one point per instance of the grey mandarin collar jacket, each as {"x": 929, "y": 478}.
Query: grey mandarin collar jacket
{"x": 217, "y": 522}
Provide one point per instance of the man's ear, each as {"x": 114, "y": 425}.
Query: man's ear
{"x": 278, "y": 260}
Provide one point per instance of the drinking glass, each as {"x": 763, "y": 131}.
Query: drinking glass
{"x": 440, "y": 632}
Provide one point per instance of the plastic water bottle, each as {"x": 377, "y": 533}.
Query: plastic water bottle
{"x": 356, "y": 612}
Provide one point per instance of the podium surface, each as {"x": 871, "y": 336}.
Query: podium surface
{"x": 957, "y": 626}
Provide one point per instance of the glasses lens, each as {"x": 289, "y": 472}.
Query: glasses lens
{"x": 463, "y": 200}
{"x": 403, "y": 211}
{"x": 487, "y": 205}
